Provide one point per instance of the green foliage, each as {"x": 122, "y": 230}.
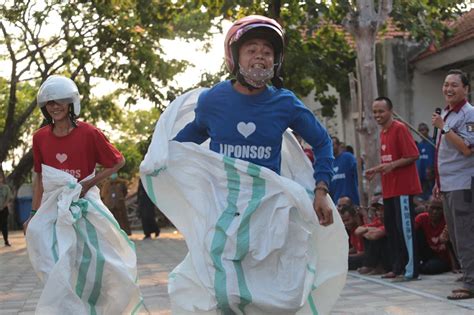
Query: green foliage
{"x": 25, "y": 93}
{"x": 425, "y": 20}
{"x": 132, "y": 157}
{"x": 139, "y": 124}
{"x": 119, "y": 41}
{"x": 136, "y": 130}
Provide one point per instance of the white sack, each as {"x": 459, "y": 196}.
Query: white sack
{"x": 76, "y": 247}
{"x": 255, "y": 246}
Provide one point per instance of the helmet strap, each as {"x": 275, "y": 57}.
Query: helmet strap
{"x": 72, "y": 115}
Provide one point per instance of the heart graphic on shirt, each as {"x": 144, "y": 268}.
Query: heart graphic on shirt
{"x": 336, "y": 169}
{"x": 435, "y": 240}
{"x": 423, "y": 150}
{"x": 384, "y": 147}
{"x": 246, "y": 129}
{"x": 61, "y": 157}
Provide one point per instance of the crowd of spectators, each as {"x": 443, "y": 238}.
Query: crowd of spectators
{"x": 403, "y": 232}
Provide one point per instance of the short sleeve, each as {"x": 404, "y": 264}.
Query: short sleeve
{"x": 106, "y": 154}
{"x": 467, "y": 131}
{"x": 407, "y": 143}
{"x": 37, "y": 157}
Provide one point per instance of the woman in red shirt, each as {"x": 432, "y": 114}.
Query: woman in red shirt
{"x": 64, "y": 143}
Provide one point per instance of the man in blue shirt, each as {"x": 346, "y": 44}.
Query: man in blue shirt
{"x": 425, "y": 163}
{"x": 344, "y": 182}
{"x": 245, "y": 118}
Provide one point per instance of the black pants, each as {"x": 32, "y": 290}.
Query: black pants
{"x": 356, "y": 261}
{"x": 431, "y": 263}
{"x": 146, "y": 209}
{"x": 399, "y": 217}
{"x": 377, "y": 253}
{"x": 4, "y": 223}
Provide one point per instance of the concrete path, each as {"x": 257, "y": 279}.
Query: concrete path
{"x": 20, "y": 288}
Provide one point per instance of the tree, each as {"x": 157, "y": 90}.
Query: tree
{"x": 363, "y": 21}
{"x": 117, "y": 41}
{"x": 137, "y": 132}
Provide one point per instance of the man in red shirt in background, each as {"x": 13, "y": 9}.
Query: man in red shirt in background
{"x": 352, "y": 221}
{"x": 376, "y": 259}
{"x": 400, "y": 182}
{"x": 433, "y": 238}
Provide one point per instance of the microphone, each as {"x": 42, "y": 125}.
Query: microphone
{"x": 435, "y": 130}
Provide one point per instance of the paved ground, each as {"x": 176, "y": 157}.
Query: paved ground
{"x": 20, "y": 288}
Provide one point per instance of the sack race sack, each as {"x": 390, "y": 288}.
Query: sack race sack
{"x": 255, "y": 245}
{"x": 87, "y": 264}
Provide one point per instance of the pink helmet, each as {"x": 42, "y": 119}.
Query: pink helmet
{"x": 259, "y": 26}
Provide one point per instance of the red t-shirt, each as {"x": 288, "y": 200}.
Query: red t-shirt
{"x": 309, "y": 153}
{"x": 395, "y": 143}
{"x": 356, "y": 241}
{"x": 376, "y": 223}
{"x": 432, "y": 234}
{"x": 77, "y": 153}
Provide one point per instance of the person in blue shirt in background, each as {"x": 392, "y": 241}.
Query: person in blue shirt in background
{"x": 425, "y": 163}
{"x": 344, "y": 182}
{"x": 245, "y": 118}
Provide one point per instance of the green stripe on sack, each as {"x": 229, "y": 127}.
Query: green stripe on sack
{"x": 99, "y": 269}
{"x": 311, "y": 303}
{"x": 137, "y": 307}
{"x": 312, "y": 306}
{"x": 151, "y": 191}
{"x": 85, "y": 262}
{"x": 243, "y": 234}
{"x": 55, "y": 244}
{"x": 220, "y": 237}
{"x": 114, "y": 222}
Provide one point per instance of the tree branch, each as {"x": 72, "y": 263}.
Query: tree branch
{"x": 17, "y": 177}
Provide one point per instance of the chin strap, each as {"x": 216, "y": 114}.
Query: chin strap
{"x": 241, "y": 80}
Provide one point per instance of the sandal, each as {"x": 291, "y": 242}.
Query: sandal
{"x": 461, "y": 294}
{"x": 389, "y": 275}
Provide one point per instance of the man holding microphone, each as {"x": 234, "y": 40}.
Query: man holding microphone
{"x": 455, "y": 174}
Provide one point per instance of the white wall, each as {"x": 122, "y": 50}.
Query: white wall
{"x": 427, "y": 95}
{"x": 334, "y": 125}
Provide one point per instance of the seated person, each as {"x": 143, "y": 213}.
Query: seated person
{"x": 352, "y": 221}
{"x": 343, "y": 201}
{"x": 435, "y": 255}
{"x": 376, "y": 257}
{"x": 361, "y": 211}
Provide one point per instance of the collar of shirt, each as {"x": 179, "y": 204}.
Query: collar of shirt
{"x": 457, "y": 107}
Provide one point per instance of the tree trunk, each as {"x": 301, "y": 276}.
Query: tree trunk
{"x": 368, "y": 82}
{"x": 17, "y": 177}
{"x": 363, "y": 22}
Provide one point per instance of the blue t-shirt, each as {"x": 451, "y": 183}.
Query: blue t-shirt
{"x": 426, "y": 159}
{"x": 344, "y": 182}
{"x": 250, "y": 127}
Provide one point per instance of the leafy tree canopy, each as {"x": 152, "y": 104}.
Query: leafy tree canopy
{"x": 113, "y": 40}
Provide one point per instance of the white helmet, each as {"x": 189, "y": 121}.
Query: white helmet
{"x": 61, "y": 89}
